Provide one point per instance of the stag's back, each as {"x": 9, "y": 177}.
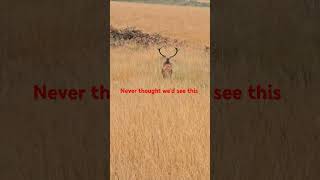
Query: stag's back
{"x": 167, "y": 70}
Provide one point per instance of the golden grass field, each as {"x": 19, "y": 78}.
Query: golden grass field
{"x": 160, "y": 136}
{"x": 204, "y": 1}
{"x": 187, "y": 23}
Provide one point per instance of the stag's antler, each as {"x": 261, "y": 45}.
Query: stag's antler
{"x": 170, "y": 56}
{"x": 161, "y": 53}
{"x": 174, "y": 54}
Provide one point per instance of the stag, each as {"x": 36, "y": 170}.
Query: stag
{"x": 167, "y": 65}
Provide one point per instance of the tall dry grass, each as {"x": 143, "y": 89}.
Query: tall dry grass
{"x": 160, "y": 136}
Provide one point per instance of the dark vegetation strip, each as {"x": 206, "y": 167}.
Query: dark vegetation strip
{"x": 131, "y": 35}
{"x": 119, "y": 37}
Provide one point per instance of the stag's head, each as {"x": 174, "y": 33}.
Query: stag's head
{"x": 167, "y": 66}
{"x": 168, "y": 58}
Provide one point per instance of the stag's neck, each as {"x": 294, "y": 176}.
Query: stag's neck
{"x": 167, "y": 62}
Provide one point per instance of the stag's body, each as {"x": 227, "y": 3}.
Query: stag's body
{"x": 167, "y": 65}
{"x": 167, "y": 69}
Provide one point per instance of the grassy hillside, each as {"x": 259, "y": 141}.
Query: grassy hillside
{"x": 160, "y": 136}
{"x": 201, "y": 3}
{"x": 190, "y": 24}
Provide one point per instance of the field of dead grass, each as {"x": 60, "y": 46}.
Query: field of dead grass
{"x": 204, "y": 1}
{"x": 191, "y": 24}
{"x": 160, "y": 136}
